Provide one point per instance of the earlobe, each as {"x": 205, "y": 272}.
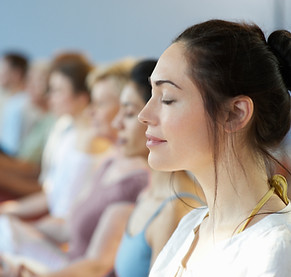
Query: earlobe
{"x": 240, "y": 111}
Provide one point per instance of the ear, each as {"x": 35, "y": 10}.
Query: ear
{"x": 240, "y": 111}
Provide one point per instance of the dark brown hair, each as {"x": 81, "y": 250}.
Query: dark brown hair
{"x": 76, "y": 67}
{"x": 17, "y": 61}
{"x": 140, "y": 77}
{"x": 227, "y": 59}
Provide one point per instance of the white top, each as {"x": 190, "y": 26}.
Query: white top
{"x": 63, "y": 167}
{"x": 264, "y": 249}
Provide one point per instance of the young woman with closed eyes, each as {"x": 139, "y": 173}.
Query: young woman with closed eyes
{"x": 219, "y": 105}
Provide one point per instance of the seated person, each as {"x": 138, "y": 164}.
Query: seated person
{"x": 68, "y": 99}
{"x": 13, "y": 74}
{"x": 37, "y": 122}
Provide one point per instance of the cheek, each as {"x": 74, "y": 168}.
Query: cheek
{"x": 187, "y": 142}
{"x": 138, "y": 138}
{"x": 106, "y": 117}
{"x": 191, "y": 145}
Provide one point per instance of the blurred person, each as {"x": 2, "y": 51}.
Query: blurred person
{"x": 26, "y": 163}
{"x": 13, "y": 73}
{"x": 68, "y": 99}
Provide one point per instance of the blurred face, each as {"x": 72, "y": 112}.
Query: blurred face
{"x": 61, "y": 95}
{"x": 37, "y": 84}
{"x": 177, "y": 133}
{"x": 131, "y": 133}
{"x": 5, "y": 73}
{"x": 105, "y": 105}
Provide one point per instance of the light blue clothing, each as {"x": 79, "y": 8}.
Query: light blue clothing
{"x": 12, "y": 119}
{"x": 134, "y": 255}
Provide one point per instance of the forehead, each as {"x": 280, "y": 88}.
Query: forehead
{"x": 105, "y": 89}
{"x": 4, "y": 64}
{"x": 130, "y": 95}
{"x": 60, "y": 79}
{"x": 171, "y": 64}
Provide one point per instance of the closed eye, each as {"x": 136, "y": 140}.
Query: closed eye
{"x": 168, "y": 102}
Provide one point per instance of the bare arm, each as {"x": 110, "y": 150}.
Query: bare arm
{"x": 17, "y": 185}
{"x": 28, "y": 207}
{"x": 103, "y": 246}
{"x": 53, "y": 227}
{"x": 19, "y": 167}
{"x": 165, "y": 224}
{"x": 88, "y": 268}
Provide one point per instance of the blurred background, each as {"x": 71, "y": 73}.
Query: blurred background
{"x": 108, "y": 30}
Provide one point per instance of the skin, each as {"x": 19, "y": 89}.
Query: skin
{"x": 104, "y": 107}
{"x": 172, "y": 94}
{"x": 37, "y": 85}
{"x": 10, "y": 78}
{"x": 131, "y": 138}
{"x": 176, "y": 115}
{"x": 62, "y": 98}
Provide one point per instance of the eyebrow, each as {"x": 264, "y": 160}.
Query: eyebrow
{"x": 128, "y": 104}
{"x": 161, "y": 82}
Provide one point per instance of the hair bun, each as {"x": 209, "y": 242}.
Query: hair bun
{"x": 280, "y": 44}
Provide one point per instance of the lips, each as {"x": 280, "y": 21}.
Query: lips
{"x": 153, "y": 141}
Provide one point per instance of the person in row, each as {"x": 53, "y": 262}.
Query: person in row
{"x": 19, "y": 173}
{"x": 69, "y": 97}
{"x": 219, "y": 105}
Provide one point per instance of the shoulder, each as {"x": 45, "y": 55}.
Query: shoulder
{"x": 266, "y": 248}
{"x": 118, "y": 209}
{"x": 180, "y": 238}
{"x": 136, "y": 178}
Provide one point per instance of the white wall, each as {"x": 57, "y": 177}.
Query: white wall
{"x": 110, "y": 29}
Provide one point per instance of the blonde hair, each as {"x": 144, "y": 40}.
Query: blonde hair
{"x": 118, "y": 71}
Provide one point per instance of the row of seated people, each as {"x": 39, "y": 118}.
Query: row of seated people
{"x": 100, "y": 208}
{"x": 109, "y": 214}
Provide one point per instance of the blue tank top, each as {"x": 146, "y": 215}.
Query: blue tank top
{"x": 134, "y": 254}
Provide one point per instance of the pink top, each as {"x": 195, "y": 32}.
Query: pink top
{"x": 87, "y": 213}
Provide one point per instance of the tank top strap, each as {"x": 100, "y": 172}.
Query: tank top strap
{"x": 169, "y": 199}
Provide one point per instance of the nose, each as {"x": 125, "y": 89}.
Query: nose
{"x": 146, "y": 116}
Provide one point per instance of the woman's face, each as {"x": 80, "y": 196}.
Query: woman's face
{"x": 177, "y": 133}
{"x": 6, "y": 74}
{"x": 37, "y": 83}
{"x": 131, "y": 133}
{"x": 105, "y": 105}
{"x": 62, "y": 99}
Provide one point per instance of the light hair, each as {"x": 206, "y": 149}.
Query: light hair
{"x": 119, "y": 71}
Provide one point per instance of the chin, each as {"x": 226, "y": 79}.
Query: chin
{"x": 159, "y": 164}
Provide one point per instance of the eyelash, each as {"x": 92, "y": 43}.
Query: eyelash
{"x": 168, "y": 102}
{"x": 129, "y": 114}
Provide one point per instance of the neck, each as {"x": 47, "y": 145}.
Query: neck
{"x": 42, "y": 105}
{"x": 16, "y": 88}
{"x": 165, "y": 184}
{"x": 235, "y": 193}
